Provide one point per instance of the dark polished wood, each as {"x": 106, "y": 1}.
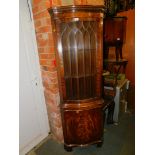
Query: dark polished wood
{"x": 114, "y": 30}
{"x": 114, "y": 35}
{"x": 78, "y": 32}
{"x": 83, "y": 125}
{"x": 76, "y": 8}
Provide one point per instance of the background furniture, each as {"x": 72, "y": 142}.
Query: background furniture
{"x": 79, "y": 41}
{"x": 121, "y": 99}
{"x": 116, "y": 68}
{"x": 115, "y": 87}
{"x": 114, "y": 35}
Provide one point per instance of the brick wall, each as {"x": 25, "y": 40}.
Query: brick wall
{"x": 46, "y": 51}
{"x": 47, "y": 59}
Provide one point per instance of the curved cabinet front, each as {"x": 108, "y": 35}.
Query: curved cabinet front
{"x": 83, "y": 123}
{"x": 78, "y": 32}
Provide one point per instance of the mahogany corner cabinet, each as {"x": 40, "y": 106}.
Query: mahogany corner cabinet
{"x": 78, "y": 33}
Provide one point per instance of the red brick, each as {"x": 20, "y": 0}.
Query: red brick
{"x": 58, "y": 134}
{"x": 39, "y": 36}
{"x": 36, "y": 2}
{"x": 53, "y": 108}
{"x": 41, "y": 50}
{"x": 57, "y": 120}
{"x": 47, "y": 56}
{"x": 46, "y": 85}
{"x": 44, "y": 29}
{"x": 46, "y": 62}
{"x": 35, "y": 10}
{"x": 54, "y": 75}
{"x": 50, "y": 49}
{"x": 50, "y": 36}
{"x": 54, "y": 80}
{"x": 48, "y": 21}
{"x": 43, "y": 21}
{"x": 44, "y": 4}
{"x": 49, "y": 69}
{"x": 47, "y": 3}
{"x": 46, "y": 50}
{"x": 54, "y": 91}
{"x": 50, "y": 42}
{"x": 44, "y": 74}
{"x": 41, "y": 15}
{"x": 37, "y": 23}
{"x": 43, "y": 68}
{"x": 44, "y": 39}
{"x": 42, "y": 42}
{"x": 54, "y": 88}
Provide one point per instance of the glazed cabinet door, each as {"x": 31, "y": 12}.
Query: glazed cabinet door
{"x": 79, "y": 52}
{"x": 79, "y": 41}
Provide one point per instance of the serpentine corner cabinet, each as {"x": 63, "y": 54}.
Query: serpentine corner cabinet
{"x": 78, "y": 32}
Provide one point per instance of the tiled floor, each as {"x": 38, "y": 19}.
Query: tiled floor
{"x": 118, "y": 140}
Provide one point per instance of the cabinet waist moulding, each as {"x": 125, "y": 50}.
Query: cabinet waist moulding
{"x": 78, "y": 32}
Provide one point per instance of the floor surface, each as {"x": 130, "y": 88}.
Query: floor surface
{"x": 118, "y": 140}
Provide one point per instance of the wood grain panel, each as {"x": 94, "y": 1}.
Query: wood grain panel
{"x": 83, "y": 126}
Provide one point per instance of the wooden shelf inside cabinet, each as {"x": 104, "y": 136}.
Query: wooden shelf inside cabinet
{"x": 78, "y": 40}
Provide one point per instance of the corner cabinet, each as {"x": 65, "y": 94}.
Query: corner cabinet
{"x": 78, "y": 32}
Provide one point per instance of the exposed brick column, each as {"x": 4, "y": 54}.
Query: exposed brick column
{"x": 47, "y": 59}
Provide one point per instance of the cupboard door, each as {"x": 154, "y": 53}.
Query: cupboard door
{"x": 83, "y": 126}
